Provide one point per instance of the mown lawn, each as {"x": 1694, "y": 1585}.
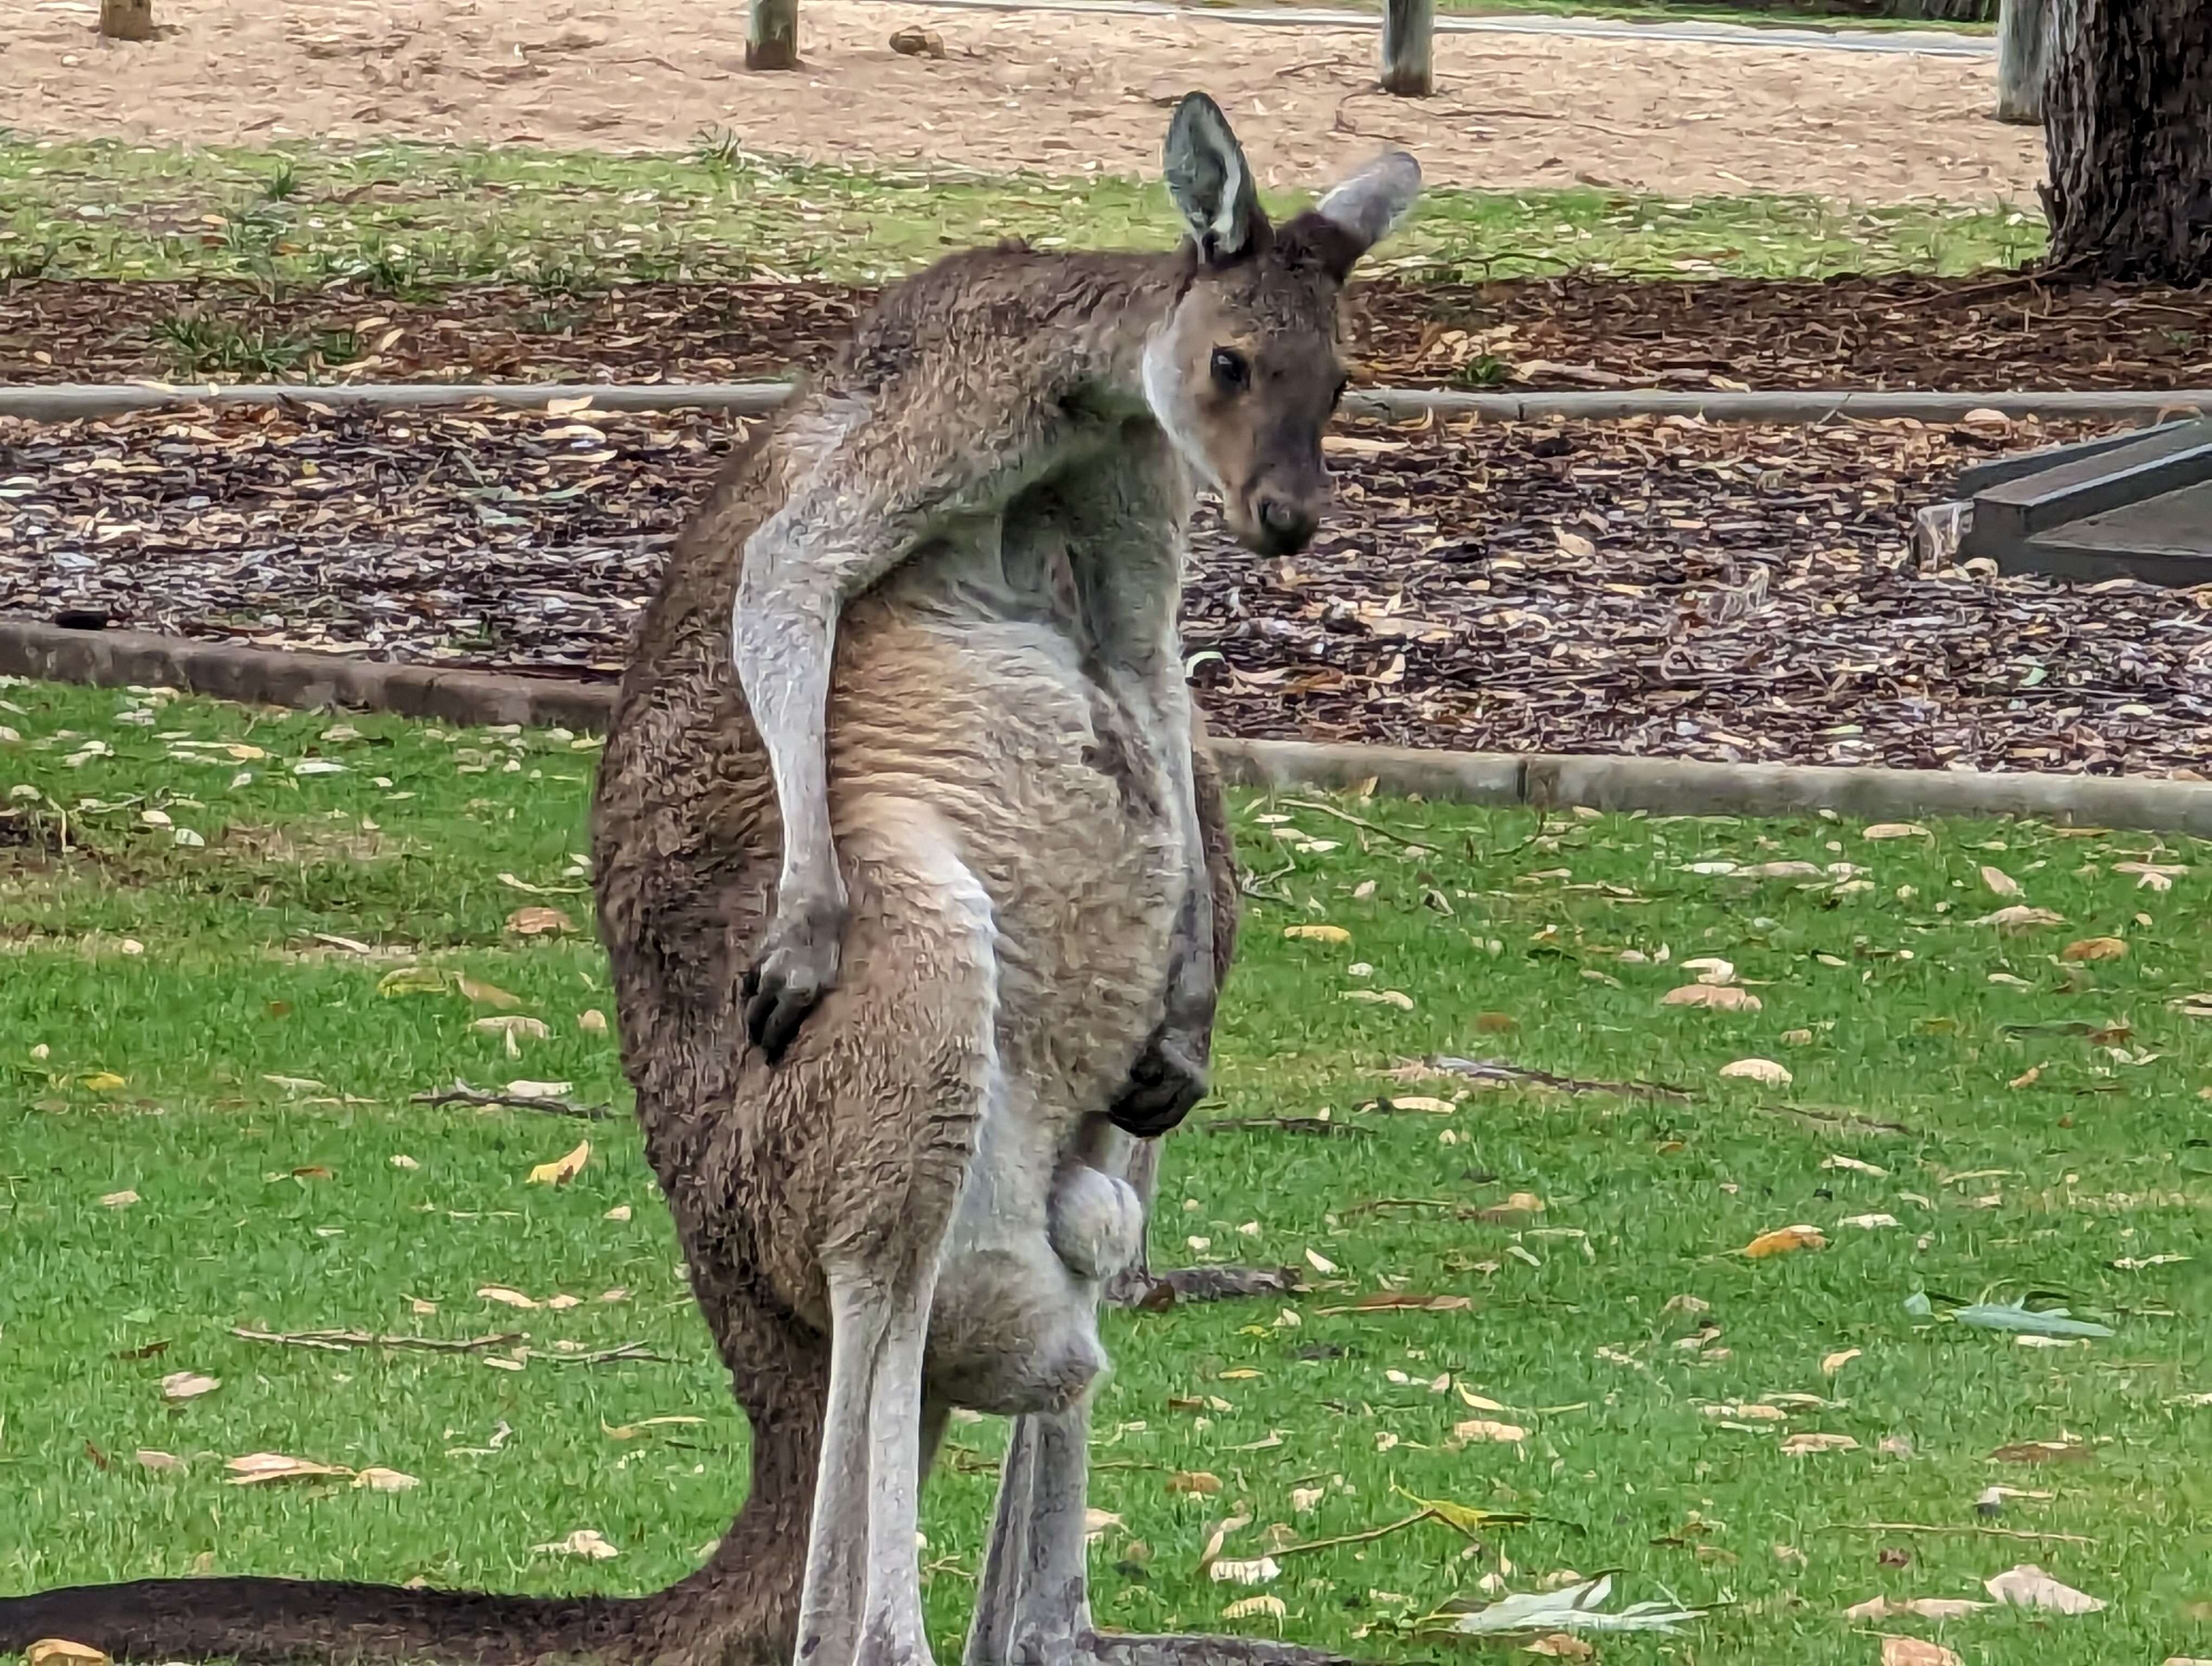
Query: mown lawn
{"x": 211, "y": 1039}
{"x": 410, "y": 218}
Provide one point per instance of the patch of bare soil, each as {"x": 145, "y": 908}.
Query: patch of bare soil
{"x": 1060, "y": 94}
{"x": 1649, "y": 588}
{"x": 1895, "y": 332}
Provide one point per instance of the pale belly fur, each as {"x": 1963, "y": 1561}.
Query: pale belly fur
{"x": 1063, "y": 817}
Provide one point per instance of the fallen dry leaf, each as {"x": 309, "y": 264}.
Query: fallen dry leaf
{"x": 1853, "y": 1166}
{"x": 1801, "y": 1445}
{"x": 1397, "y": 998}
{"x": 1868, "y": 1223}
{"x": 505, "y": 1298}
{"x": 159, "y": 1463}
{"x": 1305, "y": 1500}
{"x": 1719, "y": 997}
{"x": 620, "y": 1212}
{"x": 1317, "y": 933}
{"x": 118, "y": 1199}
{"x": 1712, "y": 969}
{"x": 2020, "y": 918}
{"x": 1560, "y": 1646}
{"x": 2000, "y": 881}
{"x": 385, "y": 1480}
{"x": 1764, "y": 1071}
{"x": 486, "y": 994}
{"x": 1785, "y": 1240}
{"x": 1482, "y": 1428}
{"x": 2043, "y": 1451}
{"x": 2095, "y": 948}
{"x": 560, "y": 1171}
{"x": 2028, "y": 1586}
{"x": 256, "y": 1467}
{"x": 1251, "y": 1608}
{"x": 2152, "y": 876}
{"x": 60, "y": 1651}
{"x": 188, "y": 1385}
{"x": 1924, "y": 1607}
{"x": 1913, "y": 1651}
{"x": 539, "y": 920}
{"x": 2026, "y": 1078}
{"x": 592, "y": 1021}
{"x": 1896, "y": 830}
{"x": 540, "y": 1089}
{"x": 582, "y": 1542}
{"x": 1258, "y": 1571}
{"x": 1320, "y": 1263}
{"x": 1830, "y": 1364}
{"x": 1200, "y": 1482}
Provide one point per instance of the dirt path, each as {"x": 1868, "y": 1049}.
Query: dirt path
{"x": 1058, "y": 92}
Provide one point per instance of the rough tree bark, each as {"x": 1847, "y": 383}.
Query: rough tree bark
{"x": 2023, "y": 49}
{"x": 126, "y": 20}
{"x": 772, "y": 36}
{"x": 2127, "y": 107}
{"x": 1409, "y": 40}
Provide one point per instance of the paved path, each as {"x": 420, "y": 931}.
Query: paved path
{"x": 1930, "y": 43}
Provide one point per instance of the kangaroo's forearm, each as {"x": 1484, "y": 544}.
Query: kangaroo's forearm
{"x": 782, "y": 638}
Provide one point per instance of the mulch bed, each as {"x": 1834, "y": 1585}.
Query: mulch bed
{"x": 1896, "y": 332}
{"x": 1650, "y": 587}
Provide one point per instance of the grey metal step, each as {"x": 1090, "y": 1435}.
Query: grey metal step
{"x": 2102, "y": 509}
{"x": 2166, "y": 540}
{"x": 1973, "y": 482}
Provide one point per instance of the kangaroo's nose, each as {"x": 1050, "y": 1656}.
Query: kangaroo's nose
{"x": 1288, "y": 524}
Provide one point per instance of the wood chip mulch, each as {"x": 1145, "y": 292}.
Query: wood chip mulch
{"x": 1896, "y": 332}
{"x": 1660, "y": 588}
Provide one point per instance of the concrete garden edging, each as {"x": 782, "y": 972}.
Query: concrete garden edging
{"x": 75, "y": 401}
{"x": 1665, "y": 786}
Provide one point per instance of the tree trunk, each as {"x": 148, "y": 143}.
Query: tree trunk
{"x": 772, "y": 36}
{"x": 2128, "y": 116}
{"x": 2023, "y": 47}
{"x": 1409, "y": 41}
{"x": 126, "y": 20}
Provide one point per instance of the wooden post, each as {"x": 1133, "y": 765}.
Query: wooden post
{"x": 126, "y": 20}
{"x": 1409, "y": 41}
{"x": 2023, "y": 38}
{"x": 772, "y": 36}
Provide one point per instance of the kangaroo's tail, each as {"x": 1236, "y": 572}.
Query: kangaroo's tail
{"x": 283, "y": 1622}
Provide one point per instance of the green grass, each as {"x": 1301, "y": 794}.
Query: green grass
{"x": 264, "y": 1095}
{"x": 407, "y": 219}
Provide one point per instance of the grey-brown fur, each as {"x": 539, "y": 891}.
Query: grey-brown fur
{"x": 1032, "y": 901}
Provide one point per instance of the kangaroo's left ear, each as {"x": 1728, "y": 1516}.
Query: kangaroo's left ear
{"x": 1366, "y": 205}
{"x": 1211, "y": 183}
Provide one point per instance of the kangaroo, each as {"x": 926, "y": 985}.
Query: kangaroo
{"x": 915, "y": 884}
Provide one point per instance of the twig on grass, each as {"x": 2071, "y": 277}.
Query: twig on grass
{"x": 1345, "y": 816}
{"x": 345, "y": 1341}
{"x": 1283, "y": 1124}
{"x": 1973, "y": 1528}
{"x": 460, "y": 1093}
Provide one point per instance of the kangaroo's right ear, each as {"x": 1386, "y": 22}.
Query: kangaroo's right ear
{"x": 1211, "y": 183}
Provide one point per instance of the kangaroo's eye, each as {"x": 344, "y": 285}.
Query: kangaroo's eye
{"x": 1232, "y": 369}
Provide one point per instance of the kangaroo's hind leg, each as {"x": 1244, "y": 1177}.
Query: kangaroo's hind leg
{"x": 897, "y": 1067}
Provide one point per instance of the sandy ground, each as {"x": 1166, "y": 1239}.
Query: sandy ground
{"x": 1052, "y": 92}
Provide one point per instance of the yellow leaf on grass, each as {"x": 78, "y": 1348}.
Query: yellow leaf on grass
{"x": 1258, "y": 1571}
{"x": 1802, "y": 1445}
{"x": 188, "y": 1385}
{"x": 1251, "y": 1608}
{"x": 2095, "y": 948}
{"x": 1200, "y": 1482}
{"x": 2000, "y": 881}
{"x": 1764, "y": 1071}
{"x": 504, "y": 1296}
{"x": 1895, "y": 830}
{"x": 2020, "y": 918}
{"x": 2026, "y": 1078}
{"x": 412, "y": 980}
{"x": 1483, "y": 1428}
{"x": 566, "y": 1168}
{"x": 1560, "y": 1646}
{"x": 258, "y": 1467}
{"x": 539, "y": 920}
{"x": 1835, "y": 1362}
{"x": 118, "y": 1199}
{"x": 592, "y": 1021}
{"x": 1317, "y": 933}
{"x": 385, "y": 1480}
{"x": 1784, "y": 1241}
{"x": 1397, "y": 998}
{"x": 540, "y": 1090}
{"x": 1915, "y": 1652}
{"x": 60, "y": 1651}
{"x": 582, "y": 1542}
{"x": 101, "y": 1081}
{"x": 1718, "y": 997}
{"x": 486, "y": 994}
{"x": 159, "y": 1463}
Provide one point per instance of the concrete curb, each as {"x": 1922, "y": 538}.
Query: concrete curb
{"x": 72, "y": 402}
{"x": 1667, "y": 786}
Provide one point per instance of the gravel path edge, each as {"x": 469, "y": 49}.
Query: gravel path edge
{"x": 76, "y": 401}
{"x": 1665, "y": 786}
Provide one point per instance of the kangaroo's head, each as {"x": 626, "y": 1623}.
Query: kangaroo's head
{"x": 1243, "y": 374}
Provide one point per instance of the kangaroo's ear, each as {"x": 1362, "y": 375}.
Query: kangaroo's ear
{"x": 1365, "y": 205}
{"x": 1211, "y": 183}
